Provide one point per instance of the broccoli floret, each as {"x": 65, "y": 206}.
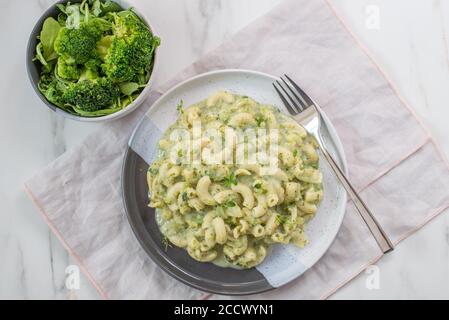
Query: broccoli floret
{"x": 103, "y": 45}
{"x": 88, "y": 74}
{"x": 131, "y": 51}
{"x": 93, "y": 64}
{"x": 77, "y": 46}
{"x": 119, "y": 61}
{"x": 67, "y": 71}
{"x": 127, "y": 23}
{"x": 93, "y": 67}
{"x": 92, "y": 95}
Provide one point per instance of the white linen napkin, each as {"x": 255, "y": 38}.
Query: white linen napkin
{"x": 393, "y": 161}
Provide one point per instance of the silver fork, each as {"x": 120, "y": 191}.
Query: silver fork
{"x": 306, "y": 112}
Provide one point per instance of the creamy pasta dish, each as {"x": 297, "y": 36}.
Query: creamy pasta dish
{"x": 233, "y": 177}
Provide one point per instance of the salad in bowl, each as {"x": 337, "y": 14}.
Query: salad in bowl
{"x": 95, "y": 58}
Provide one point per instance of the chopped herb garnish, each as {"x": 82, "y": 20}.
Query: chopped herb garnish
{"x": 180, "y": 153}
{"x": 166, "y": 242}
{"x": 295, "y": 153}
{"x": 179, "y": 106}
{"x": 231, "y": 180}
{"x": 259, "y": 120}
{"x": 258, "y": 186}
{"x": 229, "y": 204}
{"x": 184, "y": 196}
{"x": 281, "y": 219}
{"x": 153, "y": 170}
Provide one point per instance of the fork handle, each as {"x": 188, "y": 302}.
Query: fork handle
{"x": 374, "y": 227}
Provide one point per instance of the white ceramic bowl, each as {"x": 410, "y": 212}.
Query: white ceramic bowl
{"x": 34, "y": 68}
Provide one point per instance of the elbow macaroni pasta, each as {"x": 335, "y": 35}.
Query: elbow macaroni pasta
{"x": 230, "y": 211}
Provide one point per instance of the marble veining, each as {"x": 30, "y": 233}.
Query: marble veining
{"x": 57, "y": 126}
{"x": 412, "y": 49}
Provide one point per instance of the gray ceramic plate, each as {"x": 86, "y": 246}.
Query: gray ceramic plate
{"x": 285, "y": 262}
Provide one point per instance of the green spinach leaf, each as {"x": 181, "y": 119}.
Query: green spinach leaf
{"x": 128, "y": 88}
{"x": 49, "y": 31}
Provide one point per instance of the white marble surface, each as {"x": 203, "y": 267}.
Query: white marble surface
{"x": 411, "y": 45}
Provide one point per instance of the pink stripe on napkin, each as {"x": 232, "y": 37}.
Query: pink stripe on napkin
{"x": 392, "y": 160}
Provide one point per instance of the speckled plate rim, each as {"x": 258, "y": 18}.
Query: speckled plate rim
{"x": 154, "y": 251}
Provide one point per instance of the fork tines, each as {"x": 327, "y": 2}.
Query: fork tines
{"x": 294, "y": 98}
